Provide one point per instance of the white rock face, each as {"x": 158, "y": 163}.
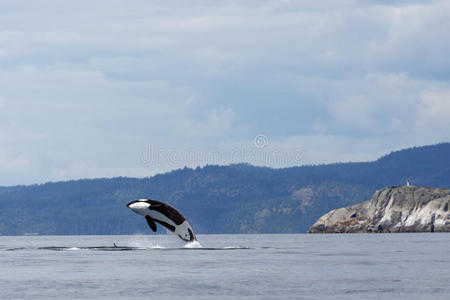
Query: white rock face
{"x": 392, "y": 209}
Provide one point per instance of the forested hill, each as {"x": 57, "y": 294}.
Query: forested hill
{"x": 218, "y": 199}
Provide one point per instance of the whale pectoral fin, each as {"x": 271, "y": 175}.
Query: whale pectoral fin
{"x": 151, "y": 223}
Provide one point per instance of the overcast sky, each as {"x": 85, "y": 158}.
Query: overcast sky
{"x": 135, "y": 88}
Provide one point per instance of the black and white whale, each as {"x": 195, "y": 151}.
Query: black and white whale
{"x": 164, "y": 214}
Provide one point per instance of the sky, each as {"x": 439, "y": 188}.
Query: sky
{"x": 134, "y": 88}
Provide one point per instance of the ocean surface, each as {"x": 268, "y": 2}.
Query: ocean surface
{"x": 298, "y": 266}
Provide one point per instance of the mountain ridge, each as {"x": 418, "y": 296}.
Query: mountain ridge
{"x": 218, "y": 199}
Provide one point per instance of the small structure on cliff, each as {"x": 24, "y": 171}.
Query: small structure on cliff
{"x": 392, "y": 209}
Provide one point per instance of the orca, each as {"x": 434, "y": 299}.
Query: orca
{"x": 164, "y": 214}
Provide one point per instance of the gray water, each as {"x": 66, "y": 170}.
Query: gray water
{"x": 300, "y": 266}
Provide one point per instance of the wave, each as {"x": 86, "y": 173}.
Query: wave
{"x": 187, "y": 247}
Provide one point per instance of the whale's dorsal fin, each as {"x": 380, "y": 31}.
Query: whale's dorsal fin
{"x": 151, "y": 223}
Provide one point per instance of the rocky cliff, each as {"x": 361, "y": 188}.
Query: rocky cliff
{"x": 392, "y": 209}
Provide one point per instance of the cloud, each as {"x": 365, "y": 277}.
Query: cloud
{"x": 433, "y": 112}
{"x": 86, "y": 87}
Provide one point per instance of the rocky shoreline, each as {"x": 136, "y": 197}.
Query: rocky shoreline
{"x": 392, "y": 209}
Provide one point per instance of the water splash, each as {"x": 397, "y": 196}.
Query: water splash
{"x": 193, "y": 244}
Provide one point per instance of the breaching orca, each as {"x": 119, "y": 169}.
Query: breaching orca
{"x": 164, "y": 214}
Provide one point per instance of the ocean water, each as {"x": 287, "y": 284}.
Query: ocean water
{"x": 298, "y": 266}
